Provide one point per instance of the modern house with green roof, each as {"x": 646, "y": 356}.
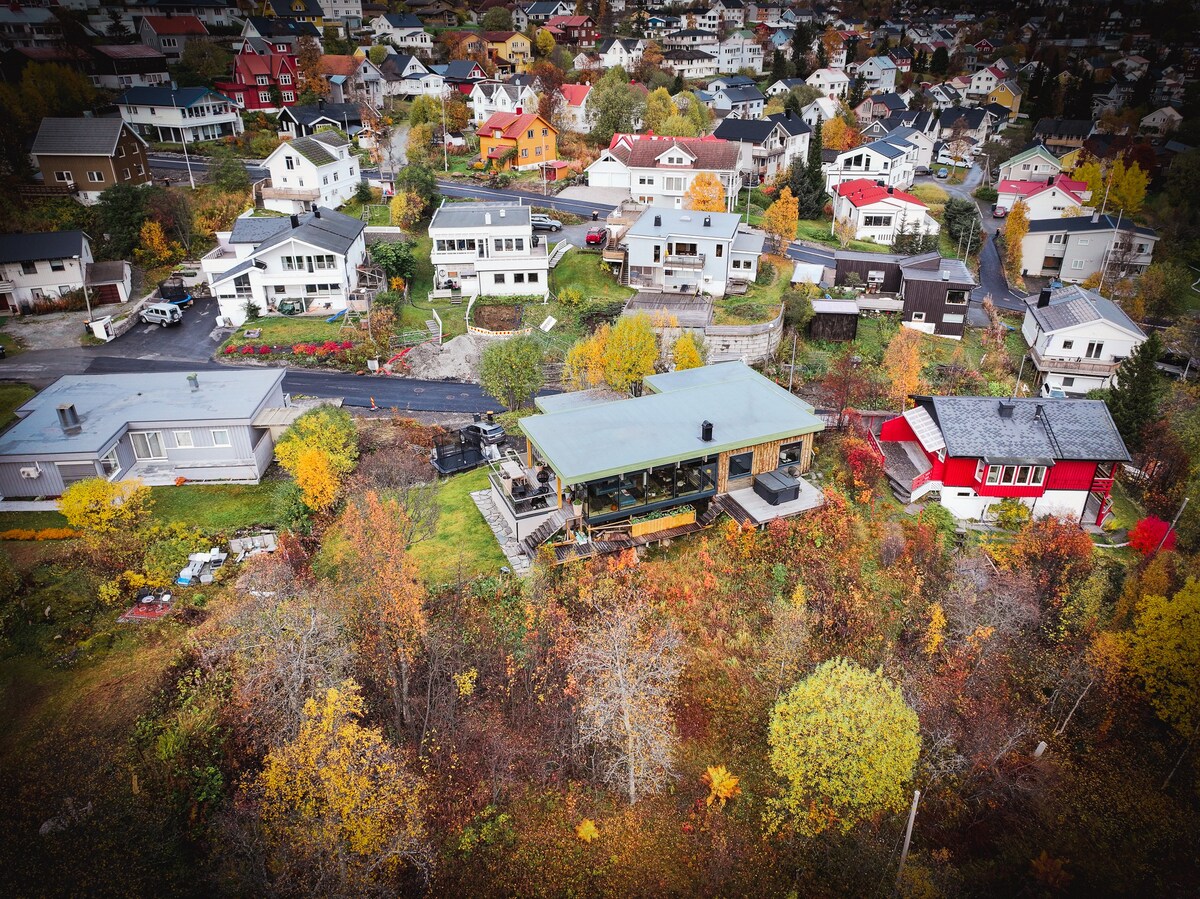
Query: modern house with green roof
{"x": 695, "y": 443}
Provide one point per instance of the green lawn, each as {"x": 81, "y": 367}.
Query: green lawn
{"x": 33, "y": 521}
{"x": 12, "y": 396}
{"x": 281, "y": 330}
{"x": 585, "y": 272}
{"x": 758, "y": 305}
{"x": 463, "y": 544}
{"x": 379, "y": 215}
{"x": 817, "y": 231}
{"x": 1126, "y": 511}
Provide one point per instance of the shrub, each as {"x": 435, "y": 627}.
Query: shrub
{"x": 1012, "y": 514}
{"x": 232, "y": 348}
{"x": 766, "y": 273}
{"x": 986, "y": 194}
{"x": 247, "y": 350}
{"x": 264, "y": 350}
{"x": 40, "y": 534}
{"x": 1147, "y": 534}
{"x": 862, "y": 462}
{"x": 570, "y": 296}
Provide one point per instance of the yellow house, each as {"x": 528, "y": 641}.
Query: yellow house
{"x": 1072, "y": 159}
{"x": 296, "y": 10}
{"x": 1008, "y": 95}
{"x": 526, "y": 141}
{"x": 510, "y": 47}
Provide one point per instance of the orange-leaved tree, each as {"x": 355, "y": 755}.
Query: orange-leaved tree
{"x": 705, "y": 194}
{"x": 903, "y": 365}
{"x": 838, "y": 134}
{"x": 781, "y": 217}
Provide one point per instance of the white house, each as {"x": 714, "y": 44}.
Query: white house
{"x": 189, "y": 113}
{"x": 43, "y": 266}
{"x": 1074, "y": 249}
{"x": 905, "y": 136}
{"x": 744, "y": 102}
{"x": 691, "y": 39}
{"x": 404, "y": 75}
{"x": 404, "y": 31}
{"x": 879, "y": 161}
{"x": 310, "y": 171}
{"x": 740, "y": 51}
{"x": 620, "y": 51}
{"x": 658, "y": 171}
{"x": 878, "y": 74}
{"x": 767, "y": 147}
{"x": 879, "y": 213}
{"x": 984, "y": 82}
{"x": 490, "y": 97}
{"x": 1161, "y": 122}
{"x": 784, "y": 86}
{"x": 315, "y": 261}
{"x": 1053, "y": 198}
{"x": 488, "y": 249}
{"x": 831, "y": 83}
{"x": 690, "y": 64}
{"x": 574, "y": 113}
{"x": 819, "y": 111}
{"x": 349, "y": 13}
{"x": 681, "y": 251}
{"x": 1077, "y": 338}
{"x": 1035, "y": 164}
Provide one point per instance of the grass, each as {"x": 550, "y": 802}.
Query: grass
{"x": 379, "y": 214}
{"x": 1126, "y": 511}
{"x": 11, "y": 345}
{"x": 11, "y": 397}
{"x": 31, "y": 521}
{"x": 817, "y": 231}
{"x": 463, "y": 543}
{"x": 586, "y": 272}
{"x": 280, "y": 330}
{"x": 759, "y": 304}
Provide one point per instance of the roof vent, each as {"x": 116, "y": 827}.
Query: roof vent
{"x": 1007, "y": 409}
{"x": 891, "y": 190}
{"x": 945, "y": 275}
{"x": 295, "y": 221}
{"x": 68, "y": 418}
{"x": 316, "y": 212}
{"x": 1044, "y": 297}
{"x": 487, "y": 218}
{"x": 708, "y": 221}
{"x": 706, "y": 431}
{"x": 658, "y": 221}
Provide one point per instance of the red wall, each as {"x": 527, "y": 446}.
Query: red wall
{"x": 1070, "y": 476}
{"x": 897, "y": 428}
{"x": 959, "y": 473}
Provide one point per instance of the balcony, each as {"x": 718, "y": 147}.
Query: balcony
{"x": 685, "y": 260}
{"x": 267, "y": 192}
{"x": 1073, "y": 365}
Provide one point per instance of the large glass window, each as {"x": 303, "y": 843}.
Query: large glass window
{"x": 740, "y": 465}
{"x": 147, "y": 445}
{"x": 791, "y": 454}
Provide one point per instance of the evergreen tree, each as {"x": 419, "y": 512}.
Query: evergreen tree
{"x": 940, "y": 63}
{"x": 814, "y": 148}
{"x": 791, "y": 104}
{"x": 1135, "y": 398}
{"x": 677, "y": 85}
{"x": 779, "y": 67}
{"x": 858, "y": 89}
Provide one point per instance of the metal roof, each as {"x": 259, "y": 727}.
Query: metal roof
{"x": 184, "y": 97}
{"x": 595, "y": 441}
{"x": 88, "y": 136}
{"x": 475, "y": 215}
{"x": 928, "y": 433}
{"x": 41, "y": 245}
{"x": 684, "y": 221}
{"x": 107, "y": 404}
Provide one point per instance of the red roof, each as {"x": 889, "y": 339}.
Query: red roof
{"x": 1027, "y": 189}
{"x": 864, "y": 192}
{"x": 570, "y": 21}
{"x": 575, "y": 94}
{"x": 175, "y": 25}
{"x": 510, "y": 124}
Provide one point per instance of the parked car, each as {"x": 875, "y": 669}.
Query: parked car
{"x": 943, "y": 174}
{"x": 161, "y": 314}
{"x": 921, "y": 170}
{"x": 999, "y": 212}
{"x": 544, "y": 222}
{"x": 597, "y": 236}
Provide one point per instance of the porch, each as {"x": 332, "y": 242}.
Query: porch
{"x": 1072, "y": 365}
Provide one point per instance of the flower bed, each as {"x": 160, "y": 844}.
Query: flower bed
{"x": 328, "y": 348}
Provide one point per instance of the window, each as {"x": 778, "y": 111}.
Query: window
{"x": 57, "y": 265}
{"x": 519, "y": 278}
{"x": 673, "y": 184}
{"x": 877, "y": 221}
{"x": 28, "y": 268}
{"x": 529, "y": 134}
{"x": 1068, "y": 344}
{"x": 62, "y": 176}
{"x": 169, "y": 42}
{"x": 285, "y": 79}
{"x": 993, "y": 474}
{"x": 264, "y": 96}
{"x": 96, "y": 177}
{"x": 979, "y": 469}
{"x": 220, "y": 437}
{"x": 1039, "y": 475}
{"x": 1084, "y": 241}
{"x": 500, "y": 279}
{"x": 183, "y": 440}
{"x": 120, "y": 152}
{"x": 288, "y": 97}
{"x": 740, "y": 465}
{"x": 533, "y": 278}
{"x": 147, "y": 445}
{"x": 110, "y": 463}
{"x": 1094, "y": 349}
{"x": 1077, "y": 264}
{"x": 261, "y": 80}
{"x": 289, "y": 163}
{"x": 1058, "y": 238}
{"x": 1068, "y": 382}
{"x": 325, "y": 262}
{"x": 657, "y": 253}
{"x": 918, "y": 316}
{"x": 124, "y": 174}
{"x": 524, "y": 152}
{"x": 293, "y": 263}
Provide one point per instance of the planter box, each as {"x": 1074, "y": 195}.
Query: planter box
{"x": 677, "y": 520}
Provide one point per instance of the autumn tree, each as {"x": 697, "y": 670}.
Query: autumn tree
{"x": 319, "y": 484}
{"x": 309, "y": 79}
{"x": 845, "y": 231}
{"x": 688, "y": 352}
{"x": 838, "y": 134}
{"x": 341, "y": 812}
{"x": 1016, "y": 226}
{"x": 326, "y": 432}
{"x": 659, "y": 108}
{"x": 706, "y": 193}
{"x": 781, "y": 217}
{"x": 154, "y": 249}
{"x": 583, "y": 367}
{"x": 99, "y": 506}
{"x": 1164, "y": 655}
{"x": 1116, "y": 187}
{"x": 624, "y": 671}
{"x": 903, "y": 364}
{"x": 1163, "y": 289}
{"x": 630, "y": 352}
{"x": 406, "y": 208}
{"x": 847, "y": 384}
{"x": 844, "y": 744}
{"x": 544, "y": 43}
{"x": 420, "y": 148}
{"x": 690, "y": 107}
{"x": 511, "y": 370}
{"x": 614, "y": 105}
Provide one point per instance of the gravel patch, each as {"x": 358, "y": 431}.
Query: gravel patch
{"x": 456, "y": 359}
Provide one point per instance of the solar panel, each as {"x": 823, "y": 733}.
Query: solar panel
{"x": 928, "y": 433}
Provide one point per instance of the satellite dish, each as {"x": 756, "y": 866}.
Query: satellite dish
{"x": 549, "y": 323}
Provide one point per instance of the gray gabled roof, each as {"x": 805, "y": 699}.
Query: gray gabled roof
{"x": 1073, "y": 305}
{"x": 881, "y": 146}
{"x": 332, "y": 231}
{"x": 184, "y": 97}
{"x": 79, "y": 137}
{"x": 404, "y": 20}
{"x": 792, "y": 124}
{"x": 1084, "y": 223}
{"x": 41, "y": 245}
{"x": 1039, "y": 431}
{"x": 754, "y": 131}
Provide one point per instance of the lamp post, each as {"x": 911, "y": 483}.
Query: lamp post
{"x": 445, "y": 151}
{"x": 183, "y": 139}
{"x": 87, "y": 299}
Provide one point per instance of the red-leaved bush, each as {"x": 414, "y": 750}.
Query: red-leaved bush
{"x": 1147, "y": 533}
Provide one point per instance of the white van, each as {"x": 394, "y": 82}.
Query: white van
{"x": 161, "y": 314}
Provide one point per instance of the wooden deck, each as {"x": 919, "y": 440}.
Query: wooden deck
{"x": 571, "y": 551}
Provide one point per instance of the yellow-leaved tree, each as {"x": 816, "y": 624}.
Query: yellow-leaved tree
{"x": 631, "y": 351}
{"x": 1016, "y": 226}
{"x": 330, "y": 432}
{"x": 315, "y": 477}
{"x": 583, "y": 367}
{"x": 687, "y": 352}
{"x": 342, "y": 813}
{"x": 781, "y": 217}
{"x": 1164, "y": 655}
{"x": 659, "y": 108}
{"x": 722, "y": 786}
{"x": 844, "y": 745}
{"x": 838, "y": 134}
{"x": 100, "y": 506}
{"x": 153, "y": 247}
{"x": 706, "y": 193}
{"x": 903, "y": 364}
{"x": 406, "y": 209}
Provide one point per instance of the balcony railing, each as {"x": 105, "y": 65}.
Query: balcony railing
{"x": 685, "y": 260}
{"x": 287, "y": 193}
{"x": 1074, "y": 365}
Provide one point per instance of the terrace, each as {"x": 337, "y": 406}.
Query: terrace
{"x": 1074, "y": 365}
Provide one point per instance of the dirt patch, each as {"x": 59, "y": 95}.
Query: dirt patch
{"x": 456, "y": 359}
{"x": 498, "y": 318}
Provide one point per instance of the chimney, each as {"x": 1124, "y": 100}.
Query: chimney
{"x": 194, "y": 381}
{"x": 320, "y": 104}
{"x": 658, "y": 221}
{"x": 316, "y": 212}
{"x": 487, "y": 218}
{"x": 1044, "y": 298}
{"x": 706, "y": 431}
{"x": 68, "y": 419}
{"x": 1007, "y": 409}
{"x": 708, "y": 221}
{"x": 295, "y": 221}
{"x": 891, "y": 190}
{"x": 1095, "y": 218}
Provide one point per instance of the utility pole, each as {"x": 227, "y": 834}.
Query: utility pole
{"x": 792, "y": 367}
{"x": 1174, "y": 521}
{"x": 445, "y": 151}
{"x": 912, "y": 817}
{"x": 183, "y": 138}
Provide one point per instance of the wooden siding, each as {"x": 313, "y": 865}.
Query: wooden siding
{"x": 833, "y": 326}
{"x": 930, "y": 297}
{"x": 766, "y": 458}
{"x": 886, "y": 264}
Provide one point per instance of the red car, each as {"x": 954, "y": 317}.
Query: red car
{"x": 597, "y": 236}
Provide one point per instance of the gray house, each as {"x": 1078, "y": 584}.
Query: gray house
{"x": 211, "y": 426}
{"x": 684, "y": 251}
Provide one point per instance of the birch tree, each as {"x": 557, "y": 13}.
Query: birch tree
{"x": 624, "y": 671}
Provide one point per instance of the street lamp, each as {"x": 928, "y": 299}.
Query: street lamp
{"x": 183, "y": 138}
{"x": 87, "y": 299}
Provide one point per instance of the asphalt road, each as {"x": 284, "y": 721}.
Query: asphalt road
{"x": 474, "y": 192}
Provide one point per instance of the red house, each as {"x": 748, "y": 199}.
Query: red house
{"x": 579, "y": 31}
{"x": 261, "y": 81}
{"x": 1057, "y": 456}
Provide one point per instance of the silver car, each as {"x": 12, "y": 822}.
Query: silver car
{"x": 544, "y": 222}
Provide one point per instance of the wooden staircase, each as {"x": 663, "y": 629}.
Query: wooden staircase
{"x": 728, "y": 505}
{"x": 560, "y": 250}
{"x": 544, "y": 532}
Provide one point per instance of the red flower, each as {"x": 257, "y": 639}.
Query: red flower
{"x": 232, "y": 348}
{"x": 264, "y": 350}
{"x": 247, "y": 350}
{"x": 347, "y": 344}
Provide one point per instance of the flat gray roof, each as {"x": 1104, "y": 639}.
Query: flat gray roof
{"x": 107, "y": 403}
{"x": 474, "y": 215}
{"x": 594, "y": 441}
{"x": 686, "y": 222}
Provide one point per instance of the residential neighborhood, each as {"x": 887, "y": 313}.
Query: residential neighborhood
{"x": 530, "y": 448}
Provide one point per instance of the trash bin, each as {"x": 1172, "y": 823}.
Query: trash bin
{"x": 595, "y": 216}
{"x": 3, "y": 352}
